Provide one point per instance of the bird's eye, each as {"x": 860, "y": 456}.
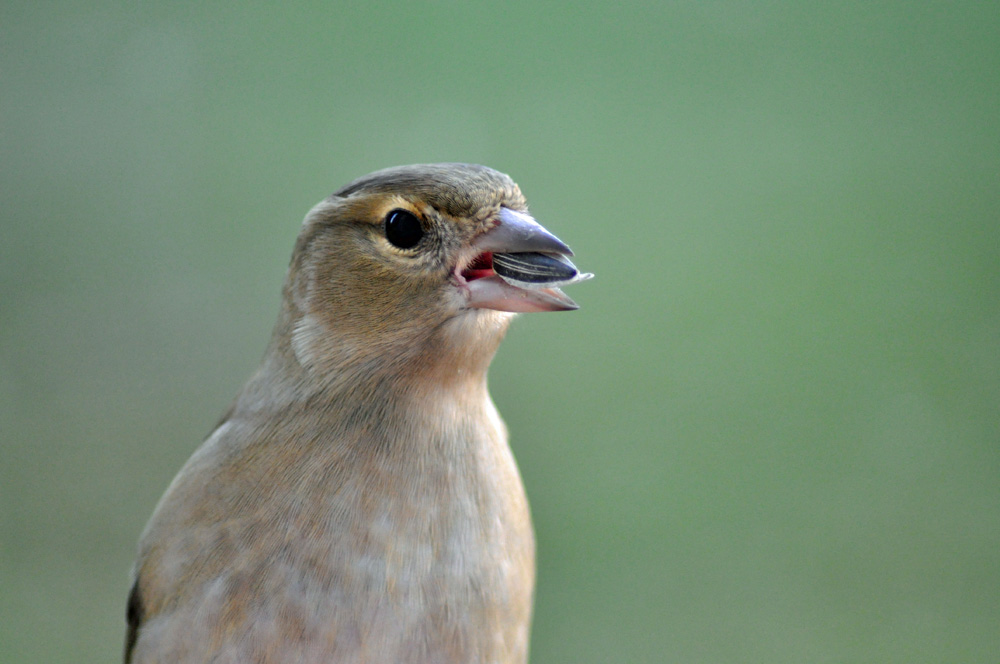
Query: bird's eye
{"x": 403, "y": 229}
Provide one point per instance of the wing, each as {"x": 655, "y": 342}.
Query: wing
{"x": 133, "y": 617}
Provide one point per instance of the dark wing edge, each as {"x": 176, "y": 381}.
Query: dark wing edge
{"x": 133, "y": 617}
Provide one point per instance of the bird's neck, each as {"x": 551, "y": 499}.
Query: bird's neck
{"x": 307, "y": 363}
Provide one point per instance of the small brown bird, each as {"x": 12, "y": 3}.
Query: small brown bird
{"x": 359, "y": 501}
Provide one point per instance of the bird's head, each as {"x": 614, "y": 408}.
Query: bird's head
{"x": 422, "y": 262}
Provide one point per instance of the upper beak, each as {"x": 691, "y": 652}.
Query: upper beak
{"x": 518, "y": 232}
{"x": 530, "y": 266}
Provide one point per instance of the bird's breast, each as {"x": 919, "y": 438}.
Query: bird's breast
{"x": 419, "y": 546}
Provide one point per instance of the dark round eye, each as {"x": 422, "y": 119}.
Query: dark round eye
{"x": 403, "y": 229}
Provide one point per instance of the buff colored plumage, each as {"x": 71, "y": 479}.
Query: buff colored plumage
{"x": 359, "y": 501}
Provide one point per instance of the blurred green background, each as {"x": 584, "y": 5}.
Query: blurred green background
{"x": 772, "y": 432}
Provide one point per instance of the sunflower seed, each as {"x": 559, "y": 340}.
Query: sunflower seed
{"x": 536, "y": 270}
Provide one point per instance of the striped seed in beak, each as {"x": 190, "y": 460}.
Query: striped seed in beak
{"x": 536, "y": 270}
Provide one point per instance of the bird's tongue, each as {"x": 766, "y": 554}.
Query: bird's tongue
{"x": 481, "y": 267}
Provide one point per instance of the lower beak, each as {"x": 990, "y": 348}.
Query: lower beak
{"x": 519, "y": 267}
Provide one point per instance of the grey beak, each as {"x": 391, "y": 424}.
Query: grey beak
{"x": 529, "y": 265}
{"x": 518, "y": 232}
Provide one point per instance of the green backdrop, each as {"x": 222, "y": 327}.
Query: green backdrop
{"x": 772, "y": 432}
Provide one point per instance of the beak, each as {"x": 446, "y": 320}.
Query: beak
{"x": 518, "y": 266}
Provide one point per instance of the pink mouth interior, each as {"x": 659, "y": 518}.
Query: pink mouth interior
{"x": 481, "y": 266}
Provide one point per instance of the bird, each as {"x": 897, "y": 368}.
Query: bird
{"x": 359, "y": 501}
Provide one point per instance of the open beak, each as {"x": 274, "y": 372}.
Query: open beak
{"x": 519, "y": 266}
